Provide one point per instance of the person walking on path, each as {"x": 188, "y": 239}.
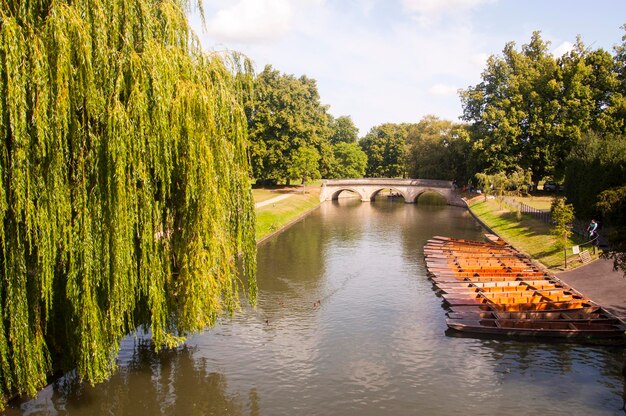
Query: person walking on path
{"x": 592, "y": 229}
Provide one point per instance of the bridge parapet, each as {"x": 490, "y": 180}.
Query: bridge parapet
{"x": 368, "y": 188}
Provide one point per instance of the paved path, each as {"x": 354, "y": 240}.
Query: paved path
{"x": 600, "y": 283}
{"x": 272, "y": 200}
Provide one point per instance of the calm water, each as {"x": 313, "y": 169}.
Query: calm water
{"x": 347, "y": 323}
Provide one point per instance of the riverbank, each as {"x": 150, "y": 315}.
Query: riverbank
{"x": 596, "y": 280}
{"x": 527, "y": 234}
{"x": 278, "y": 207}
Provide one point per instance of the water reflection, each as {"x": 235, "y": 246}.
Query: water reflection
{"x": 167, "y": 383}
{"x": 348, "y": 323}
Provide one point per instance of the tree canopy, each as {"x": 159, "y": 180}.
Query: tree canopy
{"x": 284, "y": 115}
{"x": 124, "y": 189}
{"x": 439, "y": 149}
{"x": 385, "y": 147}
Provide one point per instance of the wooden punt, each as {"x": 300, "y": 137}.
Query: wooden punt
{"x": 481, "y": 267}
{"x": 531, "y": 328}
{"x": 513, "y": 275}
{"x": 537, "y": 284}
{"x": 510, "y": 298}
{"x": 487, "y": 279}
{"x": 594, "y": 313}
{"x": 470, "y": 290}
{"x": 526, "y": 307}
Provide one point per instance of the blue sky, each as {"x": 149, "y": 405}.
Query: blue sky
{"x": 398, "y": 60}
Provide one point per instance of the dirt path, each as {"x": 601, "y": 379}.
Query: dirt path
{"x": 272, "y": 200}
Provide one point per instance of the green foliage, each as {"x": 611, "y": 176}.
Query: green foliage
{"x": 385, "y": 147}
{"x": 596, "y": 164}
{"x": 304, "y": 164}
{"x": 530, "y": 109}
{"x": 562, "y": 217}
{"x": 343, "y": 130}
{"x": 492, "y": 184}
{"x": 285, "y": 114}
{"x": 124, "y": 190}
{"x": 520, "y": 182}
{"x": 438, "y": 149}
{"x": 350, "y": 161}
{"x": 612, "y": 204}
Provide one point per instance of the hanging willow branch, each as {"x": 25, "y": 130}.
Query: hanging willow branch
{"x": 124, "y": 191}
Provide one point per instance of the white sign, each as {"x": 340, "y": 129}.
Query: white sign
{"x": 576, "y": 249}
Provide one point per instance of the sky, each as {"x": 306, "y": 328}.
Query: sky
{"x": 396, "y": 61}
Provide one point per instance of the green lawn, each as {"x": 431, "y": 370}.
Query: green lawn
{"x": 530, "y": 236}
{"x": 274, "y": 216}
{"x": 538, "y": 202}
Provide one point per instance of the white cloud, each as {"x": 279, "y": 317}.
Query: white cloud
{"x": 444, "y": 90}
{"x": 441, "y": 6}
{"x": 428, "y": 12}
{"x": 251, "y": 21}
{"x": 562, "y": 49}
{"x": 377, "y": 67}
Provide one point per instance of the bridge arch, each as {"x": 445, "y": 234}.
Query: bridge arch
{"x": 428, "y": 190}
{"x": 335, "y": 194}
{"x": 375, "y": 193}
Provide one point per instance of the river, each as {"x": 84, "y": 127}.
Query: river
{"x": 347, "y": 323}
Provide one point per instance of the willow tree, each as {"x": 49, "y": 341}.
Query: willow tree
{"x": 124, "y": 190}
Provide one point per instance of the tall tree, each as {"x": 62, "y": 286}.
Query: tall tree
{"x": 350, "y": 161}
{"x": 343, "y": 130}
{"x": 304, "y": 164}
{"x": 385, "y": 147}
{"x": 284, "y": 115}
{"x": 514, "y": 111}
{"x": 124, "y": 190}
{"x": 439, "y": 149}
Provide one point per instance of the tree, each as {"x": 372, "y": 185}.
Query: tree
{"x": 304, "y": 164}
{"x": 520, "y": 181}
{"x": 124, "y": 189}
{"x": 284, "y": 115}
{"x": 438, "y": 149}
{"x": 562, "y": 216}
{"x": 597, "y": 163}
{"x": 350, "y": 161}
{"x": 612, "y": 204}
{"x": 514, "y": 111}
{"x": 493, "y": 184}
{"x": 343, "y": 130}
{"x": 385, "y": 147}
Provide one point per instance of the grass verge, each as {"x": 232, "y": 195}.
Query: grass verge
{"x": 529, "y": 235}
{"x": 271, "y": 218}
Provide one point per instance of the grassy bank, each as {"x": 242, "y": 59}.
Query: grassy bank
{"x": 275, "y": 215}
{"x": 524, "y": 232}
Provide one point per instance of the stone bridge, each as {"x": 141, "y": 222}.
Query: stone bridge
{"x": 409, "y": 189}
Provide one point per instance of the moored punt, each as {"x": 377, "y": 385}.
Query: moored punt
{"x": 537, "y": 284}
{"x": 488, "y": 279}
{"x": 514, "y": 275}
{"x": 595, "y": 314}
{"x": 471, "y": 290}
{"x": 539, "y": 328}
{"x": 512, "y": 298}
{"x": 526, "y": 307}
